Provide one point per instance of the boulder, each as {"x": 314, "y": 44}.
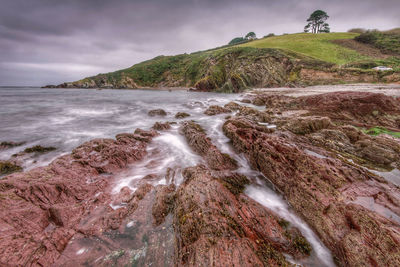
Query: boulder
{"x": 161, "y": 126}
{"x": 157, "y": 112}
{"x": 214, "y": 110}
{"x": 232, "y": 106}
{"x": 181, "y": 115}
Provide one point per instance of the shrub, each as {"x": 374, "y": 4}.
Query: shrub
{"x": 237, "y": 40}
{"x": 269, "y": 35}
{"x": 357, "y": 30}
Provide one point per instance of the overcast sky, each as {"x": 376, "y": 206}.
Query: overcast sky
{"x": 52, "y": 41}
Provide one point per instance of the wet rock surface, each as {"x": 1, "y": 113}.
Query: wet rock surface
{"x": 181, "y": 115}
{"x": 41, "y": 209}
{"x": 218, "y": 228}
{"x": 312, "y": 150}
{"x": 326, "y": 187}
{"x": 202, "y": 145}
{"x": 214, "y": 110}
{"x": 159, "y": 126}
{"x": 7, "y": 167}
{"x": 39, "y": 149}
{"x": 157, "y": 112}
{"x": 10, "y": 144}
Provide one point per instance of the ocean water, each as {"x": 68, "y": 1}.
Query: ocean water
{"x": 65, "y": 118}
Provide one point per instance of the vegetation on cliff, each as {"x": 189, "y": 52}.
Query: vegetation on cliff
{"x": 386, "y": 41}
{"x": 272, "y": 61}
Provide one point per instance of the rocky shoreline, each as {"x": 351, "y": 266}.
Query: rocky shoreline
{"x": 312, "y": 149}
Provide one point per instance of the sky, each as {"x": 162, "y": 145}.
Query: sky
{"x": 53, "y": 41}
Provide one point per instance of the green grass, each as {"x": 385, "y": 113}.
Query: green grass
{"x": 386, "y": 41}
{"x": 318, "y": 46}
{"x": 380, "y": 130}
{"x": 233, "y": 69}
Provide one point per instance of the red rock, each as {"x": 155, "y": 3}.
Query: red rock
{"x": 214, "y": 110}
{"x": 163, "y": 203}
{"x": 355, "y": 107}
{"x": 313, "y": 186}
{"x": 161, "y": 126}
{"x": 215, "y": 227}
{"x": 40, "y": 209}
{"x": 232, "y": 106}
{"x": 201, "y": 144}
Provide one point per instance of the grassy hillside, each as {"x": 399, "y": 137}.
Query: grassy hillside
{"x": 230, "y": 69}
{"x": 287, "y": 60}
{"x": 318, "y": 46}
{"x": 386, "y": 41}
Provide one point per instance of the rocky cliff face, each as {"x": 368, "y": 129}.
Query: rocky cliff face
{"x": 232, "y": 70}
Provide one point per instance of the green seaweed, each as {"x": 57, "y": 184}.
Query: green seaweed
{"x": 39, "y": 149}
{"x": 375, "y": 131}
{"x": 7, "y": 167}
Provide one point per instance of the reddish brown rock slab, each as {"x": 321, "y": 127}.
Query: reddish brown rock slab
{"x": 214, "y": 110}
{"x": 40, "y": 209}
{"x": 254, "y": 114}
{"x": 369, "y": 151}
{"x": 233, "y": 106}
{"x": 357, "y": 108}
{"x": 201, "y": 144}
{"x": 309, "y": 124}
{"x": 315, "y": 188}
{"x": 159, "y": 126}
{"x": 137, "y": 241}
{"x": 182, "y": 115}
{"x": 164, "y": 202}
{"x": 361, "y": 108}
{"x": 215, "y": 227}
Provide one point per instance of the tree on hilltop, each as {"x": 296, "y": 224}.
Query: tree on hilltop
{"x": 250, "y": 36}
{"x": 237, "y": 40}
{"x": 317, "y": 22}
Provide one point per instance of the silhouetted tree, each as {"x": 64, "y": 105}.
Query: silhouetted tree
{"x": 317, "y": 22}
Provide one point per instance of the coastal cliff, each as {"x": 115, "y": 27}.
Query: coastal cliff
{"x": 294, "y": 60}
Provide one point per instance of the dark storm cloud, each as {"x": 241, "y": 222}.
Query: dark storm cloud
{"x": 50, "y": 41}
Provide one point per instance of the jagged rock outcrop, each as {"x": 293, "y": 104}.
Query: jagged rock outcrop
{"x": 157, "y": 112}
{"x": 41, "y": 209}
{"x": 215, "y": 110}
{"x": 314, "y": 187}
{"x": 201, "y": 144}
{"x": 160, "y": 126}
{"x": 311, "y": 170}
{"x": 181, "y": 115}
{"x": 215, "y": 227}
